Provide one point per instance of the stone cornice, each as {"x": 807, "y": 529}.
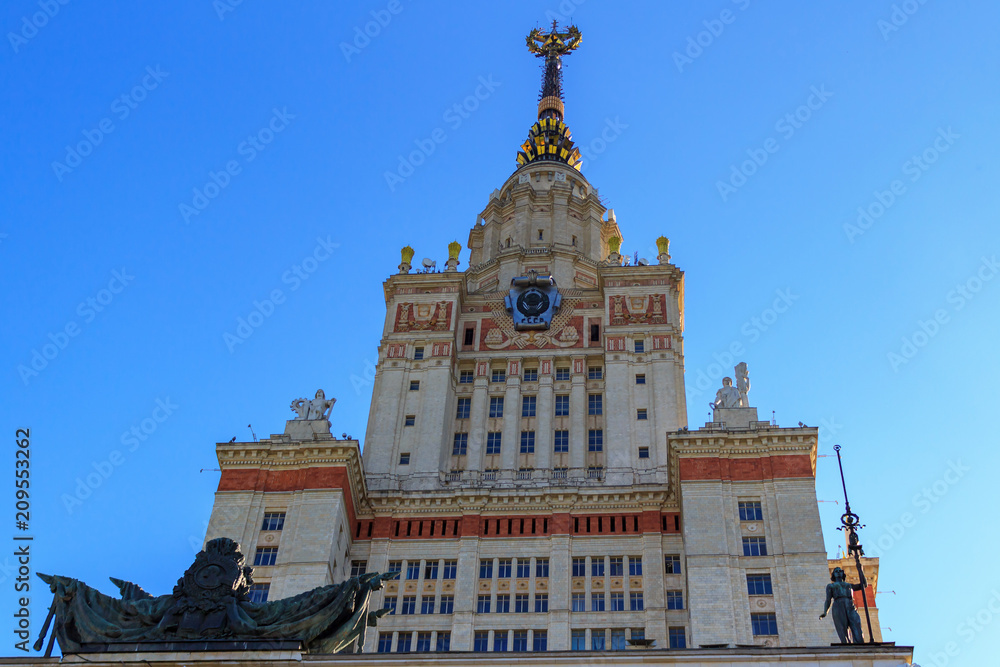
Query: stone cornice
{"x": 769, "y": 441}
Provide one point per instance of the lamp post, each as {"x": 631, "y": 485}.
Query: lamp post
{"x": 850, "y": 522}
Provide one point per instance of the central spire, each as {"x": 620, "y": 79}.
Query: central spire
{"x": 549, "y": 138}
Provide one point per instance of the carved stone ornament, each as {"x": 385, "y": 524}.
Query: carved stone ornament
{"x": 210, "y": 604}
{"x": 316, "y": 409}
{"x": 532, "y": 301}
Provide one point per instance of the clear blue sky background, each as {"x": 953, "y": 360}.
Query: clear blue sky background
{"x": 684, "y": 125}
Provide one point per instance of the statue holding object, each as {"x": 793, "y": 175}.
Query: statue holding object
{"x": 840, "y": 594}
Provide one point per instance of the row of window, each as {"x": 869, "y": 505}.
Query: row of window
{"x": 430, "y": 569}
{"x": 616, "y": 601}
{"x": 405, "y": 643}
{"x": 531, "y": 374}
{"x": 560, "y": 443}
{"x": 616, "y": 566}
{"x": 522, "y": 603}
{"x": 407, "y": 605}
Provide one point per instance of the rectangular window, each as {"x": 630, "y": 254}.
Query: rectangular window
{"x": 499, "y": 641}
{"x": 523, "y": 568}
{"x": 404, "y": 458}
{"x": 617, "y": 566}
{"x": 390, "y": 604}
{"x": 644, "y": 452}
{"x": 617, "y": 602}
{"x": 597, "y": 567}
{"x": 754, "y": 546}
{"x": 418, "y": 353}
{"x": 759, "y": 584}
{"x": 579, "y": 602}
{"x": 403, "y": 643}
{"x": 562, "y": 374}
{"x": 638, "y": 633}
{"x": 578, "y": 640}
{"x": 750, "y": 510}
{"x": 431, "y": 570}
{"x": 486, "y": 569}
{"x": 465, "y": 377}
{"x": 464, "y": 408}
{"x": 677, "y": 638}
{"x": 541, "y": 603}
{"x": 496, "y": 406}
{"x": 447, "y": 605}
{"x": 618, "y": 639}
{"x": 635, "y": 601}
{"x": 597, "y": 640}
{"x": 640, "y": 346}
{"x": 358, "y": 567}
{"x": 527, "y": 442}
{"x": 443, "y": 641}
{"x": 560, "y": 473}
{"x": 395, "y": 566}
{"x": 493, "y": 439}
{"x": 503, "y": 568}
{"x": 499, "y": 375}
{"x": 414, "y": 385}
{"x": 540, "y": 641}
{"x": 470, "y": 335}
{"x": 764, "y": 624}
{"x": 384, "y": 642}
{"x": 672, "y": 564}
{"x": 265, "y": 556}
{"x": 595, "y": 404}
{"x": 640, "y": 414}
{"x": 460, "y": 447}
{"x": 595, "y": 440}
{"x": 258, "y": 592}
{"x": 413, "y": 570}
{"x": 579, "y": 567}
{"x": 427, "y": 605}
{"x": 635, "y": 566}
{"x": 520, "y": 641}
{"x": 595, "y": 373}
{"x": 560, "y": 443}
{"x": 675, "y": 599}
{"x": 273, "y": 521}
{"x": 562, "y": 406}
{"x": 597, "y": 602}
{"x": 521, "y": 602}
{"x": 531, "y": 375}
{"x": 528, "y": 406}
{"x": 541, "y": 567}
{"x": 483, "y": 604}
{"x": 450, "y": 569}
{"x": 481, "y": 641}
{"x": 595, "y": 333}
{"x": 410, "y": 420}
{"x": 409, "y": 605}
{"x": 503, "y": 603}
{"x": 640, "y": 378}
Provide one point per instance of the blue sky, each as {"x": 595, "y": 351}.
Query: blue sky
{"x": 748, "y": 133}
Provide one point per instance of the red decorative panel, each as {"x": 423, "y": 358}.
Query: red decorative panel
{"x": 513, "y": 368}
{"x": 746, "y": 469}
{"x": 423, "y": 316}
{"x": 441, "y": 350}
{"x": 546, "y": 366}
{"x": 616, "y": 343}
{"x": 482, "y": 368}
{"x": 578, "y": 365}
{"x": 395, "y": 350}
{"x": 661, "y": 342}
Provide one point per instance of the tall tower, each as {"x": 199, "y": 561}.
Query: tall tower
{"x": 528, "y": 467}
{"x": 469, "y": 393}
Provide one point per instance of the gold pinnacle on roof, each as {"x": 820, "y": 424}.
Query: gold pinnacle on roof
{"x": 549, "y": 138}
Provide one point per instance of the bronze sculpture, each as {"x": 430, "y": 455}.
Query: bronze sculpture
{"x": 211, "y": 603}
{"x": 840, "y": 594}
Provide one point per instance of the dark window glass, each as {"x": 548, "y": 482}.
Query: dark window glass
{"x": 273, "y": 521}
{"x": 265, "y": 556}
{"x": 677, "y": 638}
{"x": 258, "y": 592}
{"x": 562, "y": 406}
{"x": 528, "y": 406}
{"x": 759, "y": 584}
{"x": 764, "y": 624}
{"x": 464, "y": 408}
{"x": 754, "y": 546}
{"x": 750, "y": 510}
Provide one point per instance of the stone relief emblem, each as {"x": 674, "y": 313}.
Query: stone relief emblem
{"x": 532, "y": 302}
{"x": 561, "y": 332}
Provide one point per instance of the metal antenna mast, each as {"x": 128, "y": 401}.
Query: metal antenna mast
{"x": 850, "y": 522}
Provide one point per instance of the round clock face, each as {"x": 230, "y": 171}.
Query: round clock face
{"x": 532, "y": 302}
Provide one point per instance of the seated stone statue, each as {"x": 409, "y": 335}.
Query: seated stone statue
{"x": 211, "y": 602}
{"x": 728, "y": 396}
